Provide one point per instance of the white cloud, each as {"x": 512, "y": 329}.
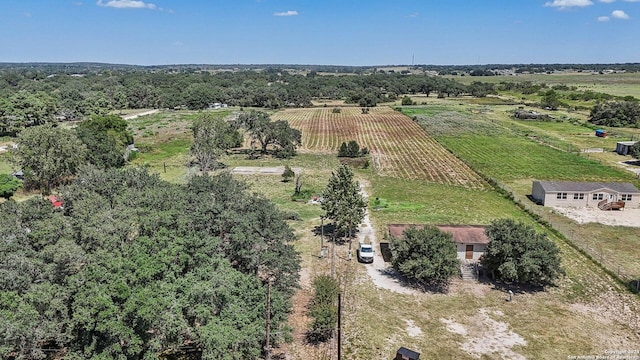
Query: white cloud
{"x": 619, "y": 14}
{"x": 603, "y": 18}
{"x": 607, "y": 1}
{"x": 565, "y": 4}
{"x": 632, "y": 0}
{"x": 27, "y": 14}
{"x": 286, "y": 13}
{"x": 414, "y": 15}
{"x": 127, "y": 4}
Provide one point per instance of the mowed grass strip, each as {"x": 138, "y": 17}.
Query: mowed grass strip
{"x": 399, "y": 146}
{"x": 418, "y": 202}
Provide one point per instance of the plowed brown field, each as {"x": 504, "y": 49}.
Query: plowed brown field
{"x": 399, "y": 147}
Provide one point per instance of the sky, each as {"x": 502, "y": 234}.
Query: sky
{"x": 320, "y": 32}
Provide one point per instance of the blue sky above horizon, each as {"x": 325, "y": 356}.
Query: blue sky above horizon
{"x": 327, "y": 32}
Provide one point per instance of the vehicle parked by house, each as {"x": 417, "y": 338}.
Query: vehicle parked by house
{"x": 365, "y": 253}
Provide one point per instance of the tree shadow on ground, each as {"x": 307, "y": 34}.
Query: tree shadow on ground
{"x": 394, "y": 275}
{"x": 341, "y": 237}
{"x": 515, "y": 287}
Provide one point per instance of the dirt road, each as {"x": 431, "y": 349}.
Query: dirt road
{"x": 133, "y": 116}
{"x": 381, "y": 273}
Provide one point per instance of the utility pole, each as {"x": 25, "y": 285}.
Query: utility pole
{"x": 339, "y": 325}
{"x": 321, "y": 234}
{"x": 350, "y": 225}
{"x": 333, "y": 253}
{"x": 267, "y": 346}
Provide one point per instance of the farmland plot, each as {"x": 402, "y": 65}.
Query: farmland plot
{"x": 399, "y": 147}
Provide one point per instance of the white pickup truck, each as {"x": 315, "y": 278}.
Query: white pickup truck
{"x": 365, "y": 253}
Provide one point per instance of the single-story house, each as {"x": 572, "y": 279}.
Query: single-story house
{"x": 622, "y": 147}
{"x": 471, "y": 240}
{"x": 584, "y": 194}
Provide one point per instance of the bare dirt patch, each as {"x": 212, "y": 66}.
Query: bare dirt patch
{"x": 138, "y": 114}
{"x": 626, "y": 217}
{"x": 485, "y": 335}
{"x": 412, "y": 329}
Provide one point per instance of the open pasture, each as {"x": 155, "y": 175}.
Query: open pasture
{"x": 399, "y": 147}
{"x": 500, "y": 152}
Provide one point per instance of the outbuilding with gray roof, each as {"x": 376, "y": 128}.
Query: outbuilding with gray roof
{"x": 584, "y": 194}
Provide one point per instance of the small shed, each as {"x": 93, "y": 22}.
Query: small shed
{"x": 18, "y": 174}
{"x": 622, "y": 147}
{"x": 601, "y": 133}
{"x": 406, "y": 354}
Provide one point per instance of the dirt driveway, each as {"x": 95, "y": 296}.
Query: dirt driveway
{"x": 381, "y": 273}
{"x": 133, "y": 116}
{"x": 262, "y": 170}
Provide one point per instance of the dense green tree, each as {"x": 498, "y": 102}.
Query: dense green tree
{"x": 634, "y": 150}
{"x": 24, "y": 109}
{"x": 351, "y": 149}
{"x": 342, "y": 200}
{"x": 343, "y": 151}
{"x": 516, "y": 252}
{"x": 48, "y": 154}
{"x": 267, "y": 132}
{"x": 106, "y": 138}
{"x": 427, "y": 256}
{"x": 406, "y": 100}
{"x": 134, "y": 266}
{"x": 550, "y": 100}
{"x": 616, "y": 114}
{"x": 199, "y": 96}
{"x": 323, "y": 308}
{"x": 287, "y": 174}
{"x": 9, "y": 185}
{"x": 212, "y": 135}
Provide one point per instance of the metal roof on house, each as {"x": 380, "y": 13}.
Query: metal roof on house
{"x": 569, "y": 186}
{"x": 461, "y": 234}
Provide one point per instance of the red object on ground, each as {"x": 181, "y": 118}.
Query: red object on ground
{"x": 55, "y": 201}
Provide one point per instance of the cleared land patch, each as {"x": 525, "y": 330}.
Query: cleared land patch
{"x": 399, "y": 147}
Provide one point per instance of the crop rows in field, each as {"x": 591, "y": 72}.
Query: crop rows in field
{"x": 399, "y": 147}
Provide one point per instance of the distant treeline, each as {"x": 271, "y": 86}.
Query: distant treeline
{"x": 85, "y": 67}
{"x": 38, "y": 93}
{"x": 32, "y": 97}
